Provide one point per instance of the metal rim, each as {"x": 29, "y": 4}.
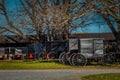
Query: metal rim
{"x": 70, "y": 58}
{"x": 108, "y": 59}
{"x": 79, "y": 60}
{"x": 64, "y": 59}
{"x": 60, "y": 57}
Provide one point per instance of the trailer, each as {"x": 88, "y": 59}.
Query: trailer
{"x": 82, "y": 51}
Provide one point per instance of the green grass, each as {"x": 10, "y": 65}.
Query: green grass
{"x": 19, "y": 64}
{"x": 32, "y": 65}
{"x": 110, "y": 76}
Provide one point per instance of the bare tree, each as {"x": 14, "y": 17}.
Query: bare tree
{"x": 110, "y": 11}
{"x": 10, "y": 27}
{"x": 56, "y": 18}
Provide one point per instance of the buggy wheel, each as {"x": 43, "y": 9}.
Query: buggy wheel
{"x": 60, "y": 57}
{"x": 70, "y": 58}
{"x": 108, "y": 59}
{"x": 65, "y": 59}
{"x": 79, "y": 60}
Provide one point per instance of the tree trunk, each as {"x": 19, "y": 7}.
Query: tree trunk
{"x": 118, "y": 29}
{"x": 111, "y": 26}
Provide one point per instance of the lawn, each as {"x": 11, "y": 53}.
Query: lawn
{"x": 110, "y": 76}
{"x": 19, "y": 64}
{"x": 32, "y": 65}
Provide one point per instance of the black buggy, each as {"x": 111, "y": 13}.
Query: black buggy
{"x": 82, "y": 51}
{"x": 77, "y": 52}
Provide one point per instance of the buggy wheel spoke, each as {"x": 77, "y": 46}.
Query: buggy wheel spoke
{"x": 79, "y": 60}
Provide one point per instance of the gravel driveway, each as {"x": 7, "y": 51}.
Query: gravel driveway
{"x": 51, "y": 74}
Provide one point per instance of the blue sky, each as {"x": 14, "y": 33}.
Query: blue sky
{"x": 12, "y": 7}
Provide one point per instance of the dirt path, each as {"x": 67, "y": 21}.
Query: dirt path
{"x": 51, "y": 74}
